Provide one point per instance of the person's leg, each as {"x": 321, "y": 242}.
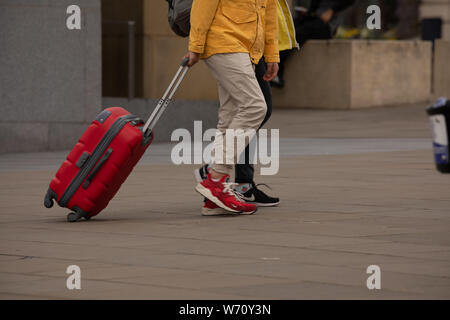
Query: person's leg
{"x": 236, "y": 77}
{"x": 226, "y": 112}
{"x": 260, "y": 71}
{"x": 244, "y": 172}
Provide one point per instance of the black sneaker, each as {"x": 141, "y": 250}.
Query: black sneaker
{"x": 256, "y": 196}
{"x": 201, "y": 173}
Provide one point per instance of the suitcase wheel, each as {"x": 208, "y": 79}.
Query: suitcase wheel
{"x": 73, "y": 217}
{"x": 48, "y": 203}
{"x": 49, "y": 197}
{"x": 77, "y": 215}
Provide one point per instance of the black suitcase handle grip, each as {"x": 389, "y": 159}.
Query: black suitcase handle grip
{"x": 185, "y": 62}
{"x": 97, "y": 168}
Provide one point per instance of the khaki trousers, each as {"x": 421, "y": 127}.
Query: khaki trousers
{"x": 242, "y": 105}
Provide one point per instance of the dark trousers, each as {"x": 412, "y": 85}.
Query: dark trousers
{"x": 244, "y": 172}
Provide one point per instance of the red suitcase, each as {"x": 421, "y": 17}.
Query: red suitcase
{"x": 104, "y": 157}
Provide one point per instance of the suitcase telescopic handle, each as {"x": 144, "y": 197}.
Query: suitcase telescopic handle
{"x": 167, "y": 97}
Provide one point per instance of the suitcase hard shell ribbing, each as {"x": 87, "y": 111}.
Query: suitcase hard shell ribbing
{"x": 104, "y": 157}
{"x": 81, "y": 188}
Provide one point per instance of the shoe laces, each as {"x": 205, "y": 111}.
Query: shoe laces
{"x": 229, "y": 188}
{"x": 253, "y": 188}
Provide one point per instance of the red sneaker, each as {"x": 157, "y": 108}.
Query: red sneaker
{"x": 221, "y": 193}
{"x": 211, "y": 209}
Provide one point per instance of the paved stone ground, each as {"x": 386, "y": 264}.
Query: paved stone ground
{"x": 358, "y": 188}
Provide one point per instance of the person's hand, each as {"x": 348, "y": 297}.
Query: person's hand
{"x": 327, "y": 15}
{"x": 272, "y": 71}
{"x": 193, "y": 58}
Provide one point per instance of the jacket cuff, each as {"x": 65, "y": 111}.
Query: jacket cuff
{"x": 197, "y": 41}
{"x": 197, "y": 48}
{"x": 272, "y": 58}
{"x": 271, "y": 53}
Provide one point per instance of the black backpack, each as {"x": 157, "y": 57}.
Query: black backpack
{"x": 180, "y": 16}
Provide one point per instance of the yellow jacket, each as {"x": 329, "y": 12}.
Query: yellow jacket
{"x": 286, "y": 28}
{"x": 227, "y": 26}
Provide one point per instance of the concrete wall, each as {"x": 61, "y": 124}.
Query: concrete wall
{"x": 441, "y": 76}
{"x": 179, "y": 114}
{"x": 345, "y": 74}
{"x": 50, "y": 77}
{"x": 390, "y": 72}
